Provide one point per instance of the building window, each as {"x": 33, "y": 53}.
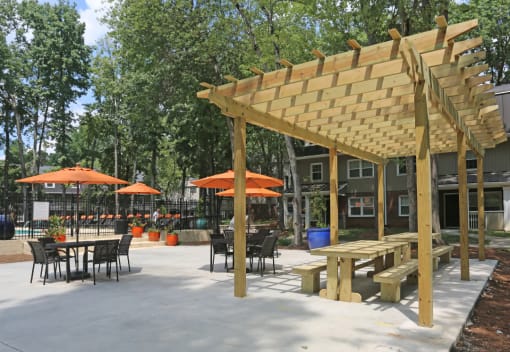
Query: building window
{"x": 361, "y": 206}
{"x": 359, "y": 168}
{"x": 402, "y": 167}
{"x": 493, "y": 200}
{"x": 403, "y": 205}
{"x": 49, "y": 185}
{"x": 316, "y": 172}
{"x": 471, "y": 163}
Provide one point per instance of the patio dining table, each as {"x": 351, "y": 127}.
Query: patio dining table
{"x": 346, "y": 253}
{"x": 68, "y": 246}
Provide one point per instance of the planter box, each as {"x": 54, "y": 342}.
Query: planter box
{"x": 318, "y": 237}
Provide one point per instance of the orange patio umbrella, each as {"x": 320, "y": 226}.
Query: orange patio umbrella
{"x": 138, "y": 188}
{"x": 251, "y": 192}
{"x": 74, "y": 175}
{"x": 225, "y": 180}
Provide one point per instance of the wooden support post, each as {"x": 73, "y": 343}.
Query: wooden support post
{"x": 463, "y": 206}
{"x": 239, "y": 207}
{"x": 481, "y": 208}
{"x": 333, "y": 196}
{"x": 380, "y": 201}
{"x": 424, "y": 205}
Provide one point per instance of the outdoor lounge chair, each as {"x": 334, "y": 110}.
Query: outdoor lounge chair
{"x": 124, "y": 244}
{"x": 43, "y": 257}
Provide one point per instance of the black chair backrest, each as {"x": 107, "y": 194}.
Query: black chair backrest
{"x": 256, "y": 239}
{"x": 46, "y": 240}
{"x": 218, "y": 243}
{"x": 263, "y": 232}
{"x": 38, "y": 252}
{"x": 125, "y": 242}
{"x": 268, "y": 246}
{"x": 229, "y": 236}
{"x": 101, "y": 251}
{"x": 113, "y": 249}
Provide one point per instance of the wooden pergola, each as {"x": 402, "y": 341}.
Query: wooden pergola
{"x": 417, "y": 95}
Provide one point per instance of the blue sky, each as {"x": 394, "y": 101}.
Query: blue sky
{"x": 90, "y": 11}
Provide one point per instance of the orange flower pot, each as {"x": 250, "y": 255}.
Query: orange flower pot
{"x": 137, "y": 231}
{"x": 153, "y": 236}
{"x": 60, "y": 238}
{"x": 172, "y": 239}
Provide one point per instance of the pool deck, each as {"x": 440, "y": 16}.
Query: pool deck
{"x": 171, "y": 302}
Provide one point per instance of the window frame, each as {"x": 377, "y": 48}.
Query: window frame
{"x": 49, "y": 185}
{"x": 360, "y": 168}
{"x": 400, "y": 197}
{"x": 312, "y": 173}
{"x": 471, "y": 159}
{"x": 362, "y": 207}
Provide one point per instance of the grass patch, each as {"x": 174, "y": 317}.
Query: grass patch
{"x": 449, "y": 238}
{"x": 497, "y": 233}
{"x": 285, "y": 242}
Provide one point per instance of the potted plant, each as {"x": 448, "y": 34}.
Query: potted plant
{"x": 56, "y": 228}
{"x": 319, "y": 235}
{"x": 137, "y": 226}
{"x": 153, "y": 233}
{"x": 171, "y": 237}
{"x": 201, "y": 221}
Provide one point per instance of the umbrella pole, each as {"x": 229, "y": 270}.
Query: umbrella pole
{"x": 77, "y": 212}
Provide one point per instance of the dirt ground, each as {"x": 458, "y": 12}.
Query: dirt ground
{"x": 489, "y": 326}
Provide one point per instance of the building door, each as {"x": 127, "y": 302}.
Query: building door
{"x": 451, "y": 210}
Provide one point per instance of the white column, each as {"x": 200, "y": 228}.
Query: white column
{"x": 506, "y": 208}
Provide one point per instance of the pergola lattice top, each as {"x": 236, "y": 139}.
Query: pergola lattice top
{"x": 361, "y": 102}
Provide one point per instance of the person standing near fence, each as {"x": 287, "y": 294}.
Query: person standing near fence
{"x": 155, "y": 216}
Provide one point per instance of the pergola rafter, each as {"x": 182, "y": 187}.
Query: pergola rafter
{"x": 417, "y": 95}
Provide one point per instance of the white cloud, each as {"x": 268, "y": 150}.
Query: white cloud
{"x": 90, "y": 14}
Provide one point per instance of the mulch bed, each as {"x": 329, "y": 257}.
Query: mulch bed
{"x": 489, "y": 326}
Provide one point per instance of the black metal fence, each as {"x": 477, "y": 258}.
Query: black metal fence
{"x": 101, "y": 216}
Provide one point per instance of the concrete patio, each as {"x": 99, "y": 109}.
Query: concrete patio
{"x": 171, "y": 302}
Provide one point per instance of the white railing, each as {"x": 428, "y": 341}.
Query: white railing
{"x": 473, "y": 220}
{"x": 493, "y": 220}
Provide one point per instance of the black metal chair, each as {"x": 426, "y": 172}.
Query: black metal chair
{"x": 265, "y": 251}
{"x": 105, "y": 251}
{"x": 254, "y": 244}
{"x": 124, "y": 244}
{"x": 43, "y": 257}
{"x": 219, "y": 246}
{"x": 61, "y": 254}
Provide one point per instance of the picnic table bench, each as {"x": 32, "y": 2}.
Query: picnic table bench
{"x": 391, "y": 277}
{"x": 310, "y": 274}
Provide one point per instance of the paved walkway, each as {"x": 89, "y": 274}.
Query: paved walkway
{"x": 171, "y": 302}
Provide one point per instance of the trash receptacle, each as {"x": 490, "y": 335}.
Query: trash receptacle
{"x": 6, "y": 227}
{"x": 121, "y": 226}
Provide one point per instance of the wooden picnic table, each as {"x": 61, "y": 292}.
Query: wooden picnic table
{"x": 408, "y": 237}
{"x": 411, "y": 237}
{"x": 346, "y": 253}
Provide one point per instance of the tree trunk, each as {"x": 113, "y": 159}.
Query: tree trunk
{"x": 411, "y": 192}
{"x": 296, "y": 201}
